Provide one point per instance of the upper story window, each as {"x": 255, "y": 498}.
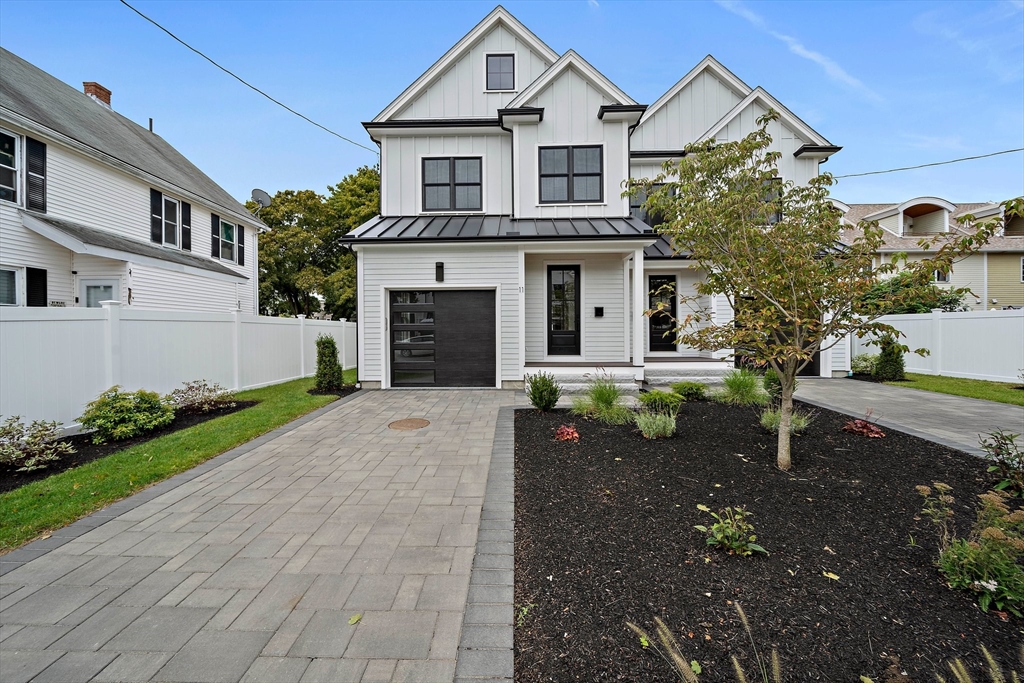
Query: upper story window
{"x": 8, "y": 167}
{"x": 453, "y": 184}
{"x": 571, "y": 174}
{"x": 170, "y": 221}
{"x": 227, "y": 240}
{"x": 941, "y": 276}
{"x": 638, "y": 210}
{"x": 501, "y": 72}
{"x": 17, "y": 173}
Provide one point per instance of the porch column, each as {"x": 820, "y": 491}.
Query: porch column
{"x": 639, "y": 306}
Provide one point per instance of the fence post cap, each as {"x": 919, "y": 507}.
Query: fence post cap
{"x": 301, "y": 316}
{"x": 936, "y": 310}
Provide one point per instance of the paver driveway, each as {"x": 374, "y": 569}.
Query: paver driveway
{"x": 254, "y": 569}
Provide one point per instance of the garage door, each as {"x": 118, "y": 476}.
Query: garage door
{"x": 443, "y": 338}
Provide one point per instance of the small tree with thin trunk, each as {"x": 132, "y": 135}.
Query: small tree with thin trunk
{"x": 775, "y": 251}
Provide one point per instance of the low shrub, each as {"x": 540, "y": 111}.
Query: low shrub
{"x": 987, "y": 561}
{"x": 691, "y": 391}
{"x": 741, "y": 387}
{"x": 567, "y": 433}
{"x": 889, "y": 367}
{"x": 117, "y": 415}
{"x": 329, "y": 374}
{"x": 656, "y": 425}
{"x": 1007, "y": 459}
{"x": 543, "y": 391}
{"x": 799, "y": 421}
{"x": 661, "y": 401}
{"x": 601, "y": 402}
{"x": 31, "y": 448}
{"x": 864, "y": 363}
{"x": 199, "y": 397}
{"x": 864, "y": 427}
{"x": 731, "y": 531}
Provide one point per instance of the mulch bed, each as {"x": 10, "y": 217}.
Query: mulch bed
{"x": 604, "y": 535}
{"x": 86, "y": 451}
{"x": 340, "y": 393}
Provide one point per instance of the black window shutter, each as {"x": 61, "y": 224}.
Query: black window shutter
{"x": 215, "y": 234}
{"x": 35, "y": 179}
{"x": 186, "y": 226}
{"x": 241, "y": 244}
{"x": 156, "y": 216}
{"x": 35, "y": 286}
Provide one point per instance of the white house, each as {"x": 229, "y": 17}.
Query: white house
{"x": 94, "y": 207}
{"x": 504, "y": 245}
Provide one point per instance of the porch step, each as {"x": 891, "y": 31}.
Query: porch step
{"x": 709, "y": 373}
{"x": 574, "y": 383}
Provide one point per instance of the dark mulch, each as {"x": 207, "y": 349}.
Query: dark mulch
{"x": 604, "y": 535}
{"x": 341, "y": 393}
{"x": 87, "y": 451}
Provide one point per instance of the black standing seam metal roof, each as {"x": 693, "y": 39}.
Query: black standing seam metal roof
{"x": 31, "y": 92}
{"x": 448, "y": 227}
{"x": 662, "y": 249}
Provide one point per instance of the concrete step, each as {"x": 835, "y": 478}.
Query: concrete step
{"x": 665, "y": 376}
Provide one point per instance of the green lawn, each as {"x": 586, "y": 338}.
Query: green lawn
{"x": 61, "y": 499}
{"x": 972, "y": 388}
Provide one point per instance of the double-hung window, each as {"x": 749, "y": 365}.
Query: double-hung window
{"x": 941, "y": 276}
{"x": 8, "y": 167}
{"x": 227, "y": 240}
{"x": 8, "y": 286}
{"x": 170, "y": 221}
{"x": 452, "y": 184}
{"x": 571, "y": 174}
{"x": 501, "y": 72}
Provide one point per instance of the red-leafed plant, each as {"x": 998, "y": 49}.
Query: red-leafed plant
{"x": 864, "y": 427}
{"x": 567, "y": 433}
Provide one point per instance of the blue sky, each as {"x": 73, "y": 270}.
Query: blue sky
{"x": 894, "y": 83}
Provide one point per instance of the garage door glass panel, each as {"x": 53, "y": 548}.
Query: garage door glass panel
{"x": 413, "y": 355}
{"x": 417, "y": 377}
{"x": 414, "y": 318}
{"x": 412, "y": 297}
{"x": 414, "y": 336}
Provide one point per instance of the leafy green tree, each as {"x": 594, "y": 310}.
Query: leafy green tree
{"x": 303, "y": 264}
{"x": 774, "y": 250}
{"x": 883, "y": 296}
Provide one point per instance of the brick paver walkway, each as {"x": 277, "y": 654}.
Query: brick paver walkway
{"x": 953, "y": 421}
{"x": 254, "y": 569}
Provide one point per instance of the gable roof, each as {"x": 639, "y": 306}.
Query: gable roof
{"x": 499, "y": 15}
{"x": 571, "y": 60}
{"x": 28, "y": 92}
{"x": 892, "y": 242}
{"x": 762, "y": 96}
{"x": 709, "y": 64}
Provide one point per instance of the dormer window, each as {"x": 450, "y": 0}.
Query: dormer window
{"x": 501, "y": 72}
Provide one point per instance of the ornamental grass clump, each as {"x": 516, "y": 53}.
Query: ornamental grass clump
{"x": 691, "y": 391}
{"x": 601, "y": 402}
{"x": 798, "y": 422}
{"x": 329, "y": 374}
{"x": 661, "y": 401}
{"x": 655, "y": 425}
{"x": 32, "y": 448}
{"x": 117, "y": 415}
{"x": 741, "y": 387}
{"x": 543, "y": 391}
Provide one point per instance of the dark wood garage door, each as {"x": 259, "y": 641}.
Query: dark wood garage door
{"x": 443, "y": 338}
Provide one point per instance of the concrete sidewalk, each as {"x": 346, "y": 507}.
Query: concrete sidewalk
{"x": 254, "y": 569}
{"x": 952, "y": 421}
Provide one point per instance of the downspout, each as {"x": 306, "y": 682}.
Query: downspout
{"x": 512, "y": 162}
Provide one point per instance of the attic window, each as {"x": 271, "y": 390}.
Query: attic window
{"x": 501, "y": 72}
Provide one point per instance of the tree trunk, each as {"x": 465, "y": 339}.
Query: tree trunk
{"x": 788, "y": 380}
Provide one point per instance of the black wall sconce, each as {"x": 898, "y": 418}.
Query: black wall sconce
{"x": 439, "y": 271}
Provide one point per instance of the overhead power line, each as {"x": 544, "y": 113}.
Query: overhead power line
{"x": 937, "y": 163}
{"x": 247, "y": 84}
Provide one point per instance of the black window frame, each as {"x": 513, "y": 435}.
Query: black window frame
{"x": 637, "y": 209}
{"x": 569, "y": 175}
{"x": 487, "y": 71}
{"x": 451, "y": 184}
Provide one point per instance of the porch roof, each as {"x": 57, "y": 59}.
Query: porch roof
{"x": 662, "y": 249}
{"x": 449, "y": 228}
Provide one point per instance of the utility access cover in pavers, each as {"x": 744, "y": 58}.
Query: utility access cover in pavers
{"x": 409, "y": 424}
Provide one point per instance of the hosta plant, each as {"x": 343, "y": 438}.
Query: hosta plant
{"x": 732, "y": 531}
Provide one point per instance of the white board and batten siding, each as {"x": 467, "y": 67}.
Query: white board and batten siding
{"x": 687, "y": 115}
{"x": 784, "y": 139}
{"x": 54, "y": 361}
{"x": 460, "y": 91}
{"x": 411, "y": 267}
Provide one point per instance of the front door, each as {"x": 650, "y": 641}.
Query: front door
{"x": 663, "y": 291}
{"x": 563, "y": 311}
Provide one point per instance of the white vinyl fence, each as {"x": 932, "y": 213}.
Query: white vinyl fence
{"x": 976, "y": 344}
{"x": 55, "y": 360}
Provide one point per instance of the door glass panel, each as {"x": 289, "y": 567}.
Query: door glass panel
{"x": 414, "y": 318}
{"x": 414, "y": 336}
{"x": 414, "y": 376}
{"x": 412, "y": 297}
{"x": 94, "y": 294}
{"x": 563, "y": 300}
{"x": 413, "y": 355}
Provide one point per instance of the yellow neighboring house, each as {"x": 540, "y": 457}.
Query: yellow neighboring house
{"x": 995, "y": 275}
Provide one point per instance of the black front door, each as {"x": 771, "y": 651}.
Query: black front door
{"x": 663, "y": 291}
{"x": 563, "y": 311}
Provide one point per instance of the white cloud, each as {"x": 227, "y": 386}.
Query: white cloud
{"x": 594, "y": 3}
{"x": 978, "y": 35}
{"x": 829, "y": 65}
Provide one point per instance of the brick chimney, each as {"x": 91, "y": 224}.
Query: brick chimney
{"x": 97, "y": 92}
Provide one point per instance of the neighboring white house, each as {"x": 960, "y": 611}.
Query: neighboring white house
{"x": 95, "y": 207}
{"x": 504, "y": 246}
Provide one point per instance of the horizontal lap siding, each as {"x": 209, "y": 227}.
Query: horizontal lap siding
{"x": 22, "y": 248}
{"x": 413, "y": 268}
{"x": 156, "y": 288}
{"x": 968, "y": 272}
{"x": 1004, "y": 280}
{"x": 91, "y": 267}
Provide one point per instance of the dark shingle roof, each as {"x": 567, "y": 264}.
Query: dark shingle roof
{"x": 443, "y": 228}
{"x": 31, "y": 92}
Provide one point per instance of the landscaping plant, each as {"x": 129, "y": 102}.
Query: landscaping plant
{"x": 731, "y": 531}
{"x": 117, "y": 415}
{"x": 567, "y": 433}
{"x": 33, "y": 448}
{"x": 864, "y": 363}
{"x": 543, "y": 391}
{"x": 741, "y": 387}
{"x": 199, "y": 397}
{"x": 691, "y": 391}
{"x": 890, "y": 366}
{"x": 772, "y": 385}
{"x": 987, "y": 562}
{"x": 772, "y": 417}
{"x": 328, "y": 370}
{"x": 601, "y": 402}
{"x": 655, "y": 425}
{"x": 1008, "y": 460}
{"x": 770, "y": 248}
{"x": 661, "y": 401}
{"x": 864, "y": 427}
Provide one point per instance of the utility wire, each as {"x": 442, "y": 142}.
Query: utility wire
{"x": 246, "y": 83}
{"x": 937, "y": 163}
